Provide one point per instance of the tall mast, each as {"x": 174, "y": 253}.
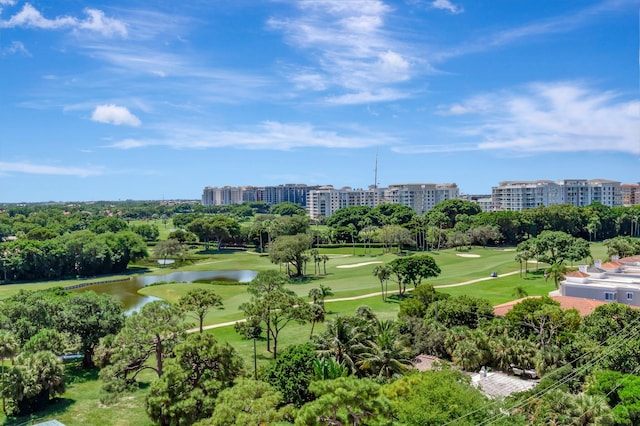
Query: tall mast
{"x": 375, "y": 177}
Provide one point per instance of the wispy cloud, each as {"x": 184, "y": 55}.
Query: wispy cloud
{"x": 114, "y": 114}
{"x": 269, "y": 135}
{"x": 42, "y": 169}
{"x": 95, "y": 21}
{"x": 546, "y": 117}
{"x": 550, "y": 26}
{"x": 15, "y": 47}
{"x": 447, "y": 5}
{"x": 349, "y": 49}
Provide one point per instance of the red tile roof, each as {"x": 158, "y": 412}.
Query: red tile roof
{"x": 578, "y": 274}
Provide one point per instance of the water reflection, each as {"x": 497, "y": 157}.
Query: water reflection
{"x": 127, "y": 291}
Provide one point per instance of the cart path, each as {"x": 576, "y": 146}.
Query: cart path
{"x": 362, "y": 296}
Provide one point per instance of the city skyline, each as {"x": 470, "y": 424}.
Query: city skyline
{"x": 121, "y": 100}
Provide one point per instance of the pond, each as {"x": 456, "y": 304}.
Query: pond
{"x": 127, "y": 291}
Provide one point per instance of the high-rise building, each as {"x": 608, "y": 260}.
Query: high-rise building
{"x": 294, "y": 193}
{"x": 630, "y": 193}
{"x": 421, "y": 197}
{"x": 521, "y": 195}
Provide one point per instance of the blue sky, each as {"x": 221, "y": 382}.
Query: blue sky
{"x": 115, "y": 100}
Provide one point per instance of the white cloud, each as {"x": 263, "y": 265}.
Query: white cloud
{"x": 41, "y": 169}
{"x": 269, "y": 135}
{"x": 114, "y": 114}
{"x": 383, "y": 95}
{"x": 96, "y": 21}
{"x": 545, "y": 27}
{"x": 349, "y": 48}
{"x": 447, "y": 5}
{"x": 552, "y": 117}
{"x": 16, "y": 47}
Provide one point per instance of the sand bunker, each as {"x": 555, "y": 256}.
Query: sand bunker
{"x": 467, "y": 255}
{"x": 355, "y": 265}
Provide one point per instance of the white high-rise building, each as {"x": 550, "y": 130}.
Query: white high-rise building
{"x": 521, "y": 195}
{"x": 421, "y": 197}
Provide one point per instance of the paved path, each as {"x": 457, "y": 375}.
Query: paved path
{"x": 362, "y": 296}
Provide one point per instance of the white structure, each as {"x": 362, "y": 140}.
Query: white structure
{"x": 521, "y": 195}
{"x": 218, "y": 196}
{"x": 421, "y": 197}
{"x": 614, "y": 281}
{"x": 326, "y": 200}
{"x": 582, "y": 192}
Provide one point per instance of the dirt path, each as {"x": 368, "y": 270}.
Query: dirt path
{"x": 362, "y": 296}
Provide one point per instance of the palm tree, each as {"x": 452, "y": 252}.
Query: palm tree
{"x": 519, "y": 292}
{"x": 341, "y": 341}
{"x": 326, "y": 291}
{"x": 502, "y": 351}
{"x": 325, "y": 259}
{"x": 316, "y": 295}
{"x": 328, "y": 369}
{"x": 557, "y": 271}
{"x": 386, "y": 356}
{"x": 8, "y": 349}
{"x": 592, "y": 410}
{"x": 383, "y": 272}
{"x": 317, "y": 315}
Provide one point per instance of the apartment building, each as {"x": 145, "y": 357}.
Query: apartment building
{"x": 521, "y": 195}
{"x": 630, "y": 193}
{"x": 294, "y": 193}
{"x": 582, "y": 192}
{"x": 326, "y": 200}
{"x": 421, "y": 197}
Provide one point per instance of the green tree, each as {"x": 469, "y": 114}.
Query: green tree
{"x": 148, "y": 231}
{"x": 187, "y": 391}
{"x": 439, "y": 398}
{"x": 150, "y": 334}
{"x": 90, "y": 316}
{"x": 557, "y": 271}
{"x": 167, "y": 248}
{"x": 214, "y": 228}
{"x": 182, "y": 236}
{"x": 387, "y": 355}
{"x": 198, "y": 302}
{"x": 290, "y": 250}
{"x": 291, "y": 374}
{"x": 343, "y": 401}
{"x": 45, "y": 340}
{"x": 341, "y": 341}
{"x": 556, "y": 247}
{"x": 287, "y": 209}
{"x": 8, "y": 349}
{"x": 33, "y": 381}
{"x": 383, "y": 273}
{"x": 463, "y": 310}
{"x": 247, "y": 403}
{"x": 278, "y": 308}
{"x": 414, "y": 269}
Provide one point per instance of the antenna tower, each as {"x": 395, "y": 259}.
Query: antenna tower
{"x": 375, "y": 177}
